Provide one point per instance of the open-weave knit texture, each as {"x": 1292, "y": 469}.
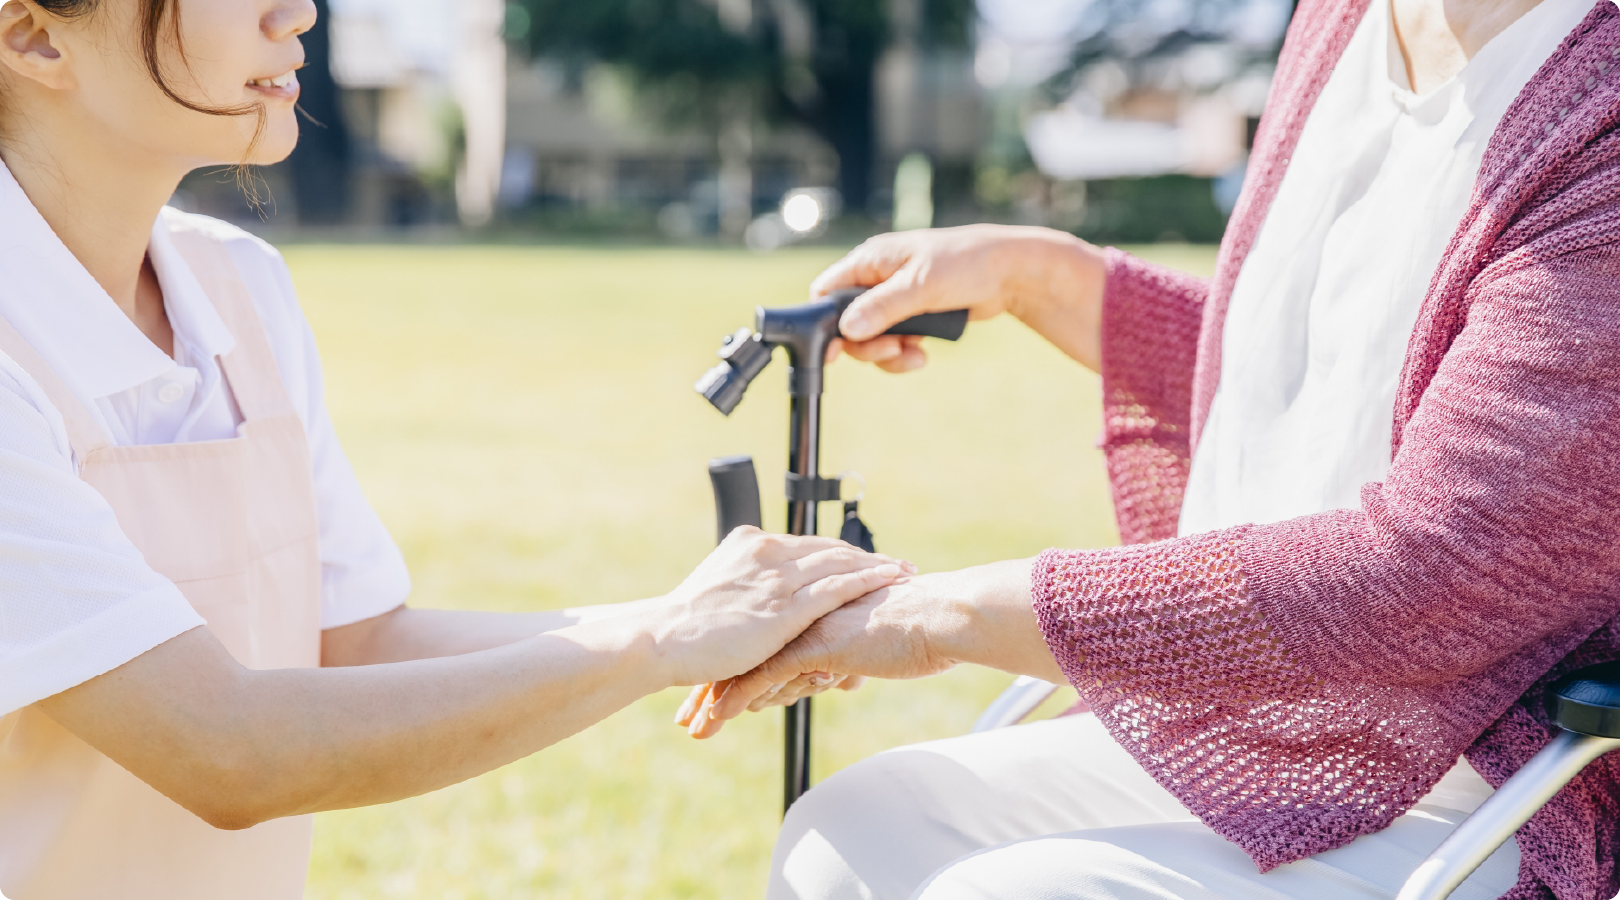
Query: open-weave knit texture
{"x": 1300, "y": 684}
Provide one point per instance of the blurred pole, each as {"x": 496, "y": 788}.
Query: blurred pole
{"x": 320, "y": 163}
{"x": 913, "y": 193}
{"x": 478, "y": 82}
{"x": 736, "y": 138}
{"x": 736, "y": 179}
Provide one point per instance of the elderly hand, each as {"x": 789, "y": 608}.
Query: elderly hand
{"x": 754, "y": 594}
{"x": 915, "y": 627}
{"x": 1050, "y": 280}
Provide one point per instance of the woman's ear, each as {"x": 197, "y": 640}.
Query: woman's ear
{"x": 27, "y": 44}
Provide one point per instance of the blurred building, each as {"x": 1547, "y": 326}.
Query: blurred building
{"x": 425, "y": 109}
{"x": 577, "y": 143}
{"x": 1059, "y": 112}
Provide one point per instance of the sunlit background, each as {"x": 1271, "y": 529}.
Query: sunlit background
{"x": 520, "y": 230}
{"x": 768, "y": 123}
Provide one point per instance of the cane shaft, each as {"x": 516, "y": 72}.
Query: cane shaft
{"x": 804, "y": 450}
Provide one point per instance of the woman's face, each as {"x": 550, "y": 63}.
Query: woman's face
{"x": 237, "y": 55}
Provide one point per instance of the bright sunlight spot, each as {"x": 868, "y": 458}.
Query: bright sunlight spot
{"x": 801, "y": 212}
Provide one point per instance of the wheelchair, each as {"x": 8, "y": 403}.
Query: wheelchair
{"x": 1585, "y": 705}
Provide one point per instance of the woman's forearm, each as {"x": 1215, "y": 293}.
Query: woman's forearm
{"x": 992, "y": 622}
{"x": 238, "y": 746}
{"x": 1056, "y": 283}
{"x": 408, "y": 633}
{"x": 291, "y": 741}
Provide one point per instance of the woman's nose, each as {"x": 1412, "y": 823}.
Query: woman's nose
{"x": 287, "y": 19}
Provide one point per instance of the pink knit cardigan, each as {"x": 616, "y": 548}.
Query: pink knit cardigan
{"x": 1297, "y": 685}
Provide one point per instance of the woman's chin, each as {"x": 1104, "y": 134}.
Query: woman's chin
{"x": 274, "y": 146}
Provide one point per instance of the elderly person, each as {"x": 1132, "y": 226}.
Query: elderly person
{"x": 1367, "y": 477}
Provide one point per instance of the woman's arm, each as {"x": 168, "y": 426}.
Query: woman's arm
{"x": 404, "y": 633}
{"x": 239, "y": 746}
{"x": 916, "y": 627}
{"x": 1136, "y": 323}
{"x": 1345, "y": 659}
{"x": 1050, "y": 280}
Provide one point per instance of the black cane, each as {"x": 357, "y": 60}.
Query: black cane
{"x": 805, "y": 331}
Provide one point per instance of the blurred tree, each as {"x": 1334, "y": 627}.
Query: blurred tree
{"x": 1140, "y": 37}
{"x": 812, "y": 62}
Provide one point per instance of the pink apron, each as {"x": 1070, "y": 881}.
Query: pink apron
{"x": 233, "y": 524}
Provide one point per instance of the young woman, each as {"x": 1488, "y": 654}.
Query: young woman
{"x": 1335, "y": 627}
{"x": 202, "y": 636}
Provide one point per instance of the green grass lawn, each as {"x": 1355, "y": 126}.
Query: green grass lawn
{"x": 523, "y": 420}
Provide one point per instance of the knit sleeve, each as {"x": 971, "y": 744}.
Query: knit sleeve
{"x": 1150, "y": 325}
{"x": 1299, "y": 684}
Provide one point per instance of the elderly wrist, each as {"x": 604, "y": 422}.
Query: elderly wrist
{"x": 1048, "y": 272}
{"x": 992, "y": 621}
{"x": 954, "y": 617}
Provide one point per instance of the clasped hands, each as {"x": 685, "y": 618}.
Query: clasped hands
{"x": 882, "y": 634}
{"x": 915, "y": 626}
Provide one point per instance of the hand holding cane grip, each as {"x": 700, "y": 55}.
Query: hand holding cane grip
{"x": 806, "y": 331}
{"x": 947, "y": 326}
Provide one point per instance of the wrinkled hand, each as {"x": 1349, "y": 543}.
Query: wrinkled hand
{"x": 754, "y": 594}
{"x": 1050, "y": 280}
{"x": 886, "y": 634}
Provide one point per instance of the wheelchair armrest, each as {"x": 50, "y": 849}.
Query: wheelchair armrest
{"x": 1586, "y": 705}
{"x": 1015, "y": 703}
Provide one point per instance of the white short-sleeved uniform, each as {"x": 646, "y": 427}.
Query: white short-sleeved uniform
{"x": 76, "y": 597}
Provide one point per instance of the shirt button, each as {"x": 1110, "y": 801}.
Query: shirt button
{"x": 170, "y": 393}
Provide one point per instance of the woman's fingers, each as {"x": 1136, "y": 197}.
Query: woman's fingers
{"x": 812, "y": 554}
{"x": 706, "y": 723}
{"x": 703, "y": 722}
{"x": 763, "y": 701}
{"x": 894, "y": 299}
{"x": 827, "y": 594}
{"x": 889, "y": 352}
{"x": 912, "y": 357}
{"x": 766, "y": 700}
{"x": 882, "y": 348}
{"x": 692, "y": 703}
{"x": 887, "y": 266}
{"x": 808, "y": 685}
{"x": 776, "y": 676}
{"x": 873, "y": 262}
{"x": 842, "y": 559}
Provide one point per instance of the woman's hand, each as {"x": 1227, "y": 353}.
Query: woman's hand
{"x": 754, "y": 594}
{"x": 1050, "y": 280}
{"x": 916, "y": 627}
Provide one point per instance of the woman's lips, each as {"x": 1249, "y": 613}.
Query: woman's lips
{"x": 281, "y": 87}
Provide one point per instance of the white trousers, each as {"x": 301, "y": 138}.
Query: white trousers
{"x": 1056, "y": 810}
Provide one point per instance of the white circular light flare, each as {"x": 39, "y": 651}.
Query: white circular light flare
{"x": 801, "y": 212}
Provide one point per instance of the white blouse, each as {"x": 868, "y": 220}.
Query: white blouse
{"x": 1325, "y": 304}
{"x": 70, "y": 581}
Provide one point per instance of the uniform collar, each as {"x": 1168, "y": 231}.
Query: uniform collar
{"x": 194, "y": 318}
{"x": 55, "y": 304}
